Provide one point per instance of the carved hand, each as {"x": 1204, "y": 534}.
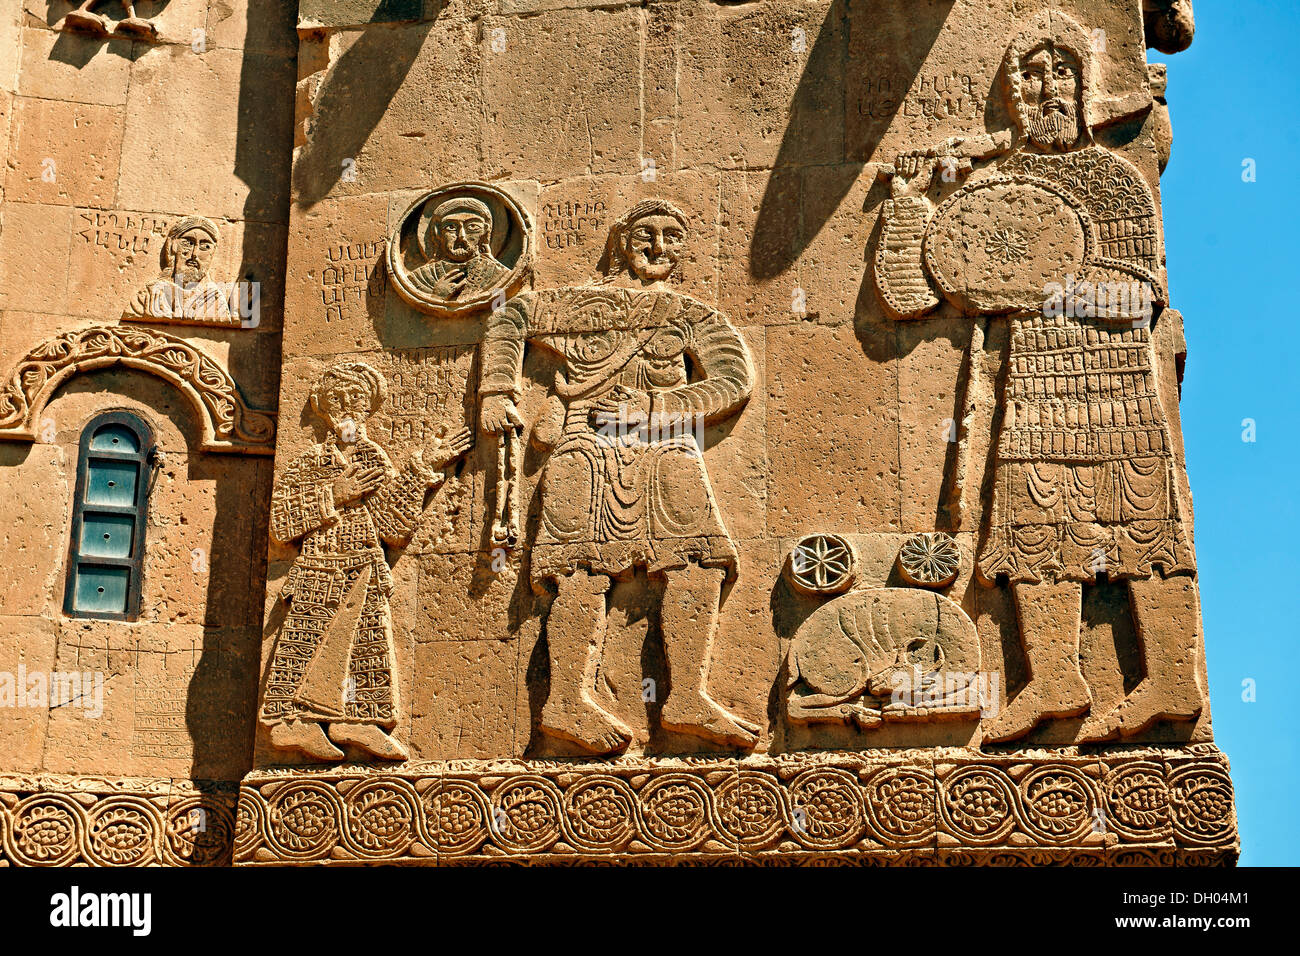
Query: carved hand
{"x": 447, "y": 446}
{"x": 449, "y": 286}
{"x": 622, "y": 404}
{"x": 499, "y": 414}
{"x": 913, "y": 172}
{"x": 356, "y": 483}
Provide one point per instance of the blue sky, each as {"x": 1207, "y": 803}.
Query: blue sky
{"x": 1232, "y": 268}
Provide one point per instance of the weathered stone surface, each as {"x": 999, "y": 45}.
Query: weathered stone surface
{"x": 692, "y": 439}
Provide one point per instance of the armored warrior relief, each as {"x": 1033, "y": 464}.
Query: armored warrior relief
{"x": 331, "y": 671}
{"x": 1061, "y": 236}
{"x": 625, "y": 484}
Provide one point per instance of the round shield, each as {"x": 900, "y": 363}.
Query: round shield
{"x": 1003, "y": 245}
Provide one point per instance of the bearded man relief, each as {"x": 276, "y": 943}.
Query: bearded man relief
{"x": 1060, "y": 235}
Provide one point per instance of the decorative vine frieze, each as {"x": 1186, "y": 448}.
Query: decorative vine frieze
{"x": 228, "y": 424}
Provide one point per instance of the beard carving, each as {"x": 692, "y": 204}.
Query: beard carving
{"x": 1054, "y": 130}
{"x": 188, "y": 275}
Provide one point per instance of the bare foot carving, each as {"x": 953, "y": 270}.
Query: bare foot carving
{"x": 137, "y": 26}
{"x": 587, "y": 725}
{"x": 369, "y": 738}
{"x": 306, "y": 737}
{"x": 701, "y": 716}
{"x": 86, "y": 22}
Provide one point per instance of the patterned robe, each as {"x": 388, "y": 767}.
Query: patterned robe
{"x": 614, "y": 498}
{"x": 333, "y": 658}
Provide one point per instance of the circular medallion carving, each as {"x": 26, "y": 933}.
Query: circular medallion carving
{"x": 929, "y": 560}
{"x": 750, "y": 807}
{"x": 600, "y": 814}
{"x": 198, "y": 832}
{"x": 303, "y": 820}
{"x": 45, "y": 829}
{"x": 674, "y": 812}
{"x": 1201, "y": 800}
{"x": 979, "y": 805}
{"x": 1058, "y": 804}
{"x": 995, "y": 246}
{"x": 122, "y": 831}
{"x": 526, "y": 814}
{"x": 456, "y": 817}
{"x": 1137, "y": 801}
{"x": 822, "y": 564}
{"x": 826, "y": 808}
{"x": 458, "y": 249}
{"x": 901, "y": 806}
{"x": 380, "y": 817}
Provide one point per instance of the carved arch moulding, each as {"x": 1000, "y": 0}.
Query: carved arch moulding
{"x": 226, "y": 421}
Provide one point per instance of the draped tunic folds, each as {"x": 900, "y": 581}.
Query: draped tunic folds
{"x": 613, "y": 498}
{"x": 332, "y": 659}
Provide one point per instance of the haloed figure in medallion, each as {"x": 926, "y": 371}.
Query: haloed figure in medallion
{"x": 331, "y": 672}
{"x": 459, "y": 246}
{"x": 635, "y": 494}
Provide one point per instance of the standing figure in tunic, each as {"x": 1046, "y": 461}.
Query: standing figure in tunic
{"x": 625, "y": 484}
{"x": 1085, "y": 480}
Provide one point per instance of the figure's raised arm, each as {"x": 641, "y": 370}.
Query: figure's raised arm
{"x": 899, "y": 273}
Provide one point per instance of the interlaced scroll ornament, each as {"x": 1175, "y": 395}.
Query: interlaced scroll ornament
{"x": 1132, "y": 807}
{"x": 228, "y": 424}
{"x": 1060, "y": 236}
{"x": 1022, "y": 808}
{"x": 460, "y": 249}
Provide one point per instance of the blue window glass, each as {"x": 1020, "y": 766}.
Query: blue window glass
{"x": 106, "y": 552}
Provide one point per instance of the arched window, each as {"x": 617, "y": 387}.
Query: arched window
{"x": 108, "y": 518}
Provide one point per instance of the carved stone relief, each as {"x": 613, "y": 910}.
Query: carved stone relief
{"x": 185, "y": 293}
{"x": 330, "y": 678}
{"x": 460, "y": 249}
{"x": 624, "y": 484}
{"x": 878, "y": 654}
{"x": 84, "y": 19}
{"x": 1059, "y": 235}
{"x": 227, "y": 423}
